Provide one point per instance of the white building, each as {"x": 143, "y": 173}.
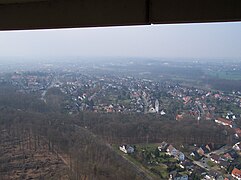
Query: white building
{"x": 157, "y": 106}
{"x": 163, "y": 112}
{"x": 126, "y": 149}
{"x": 152, "y": 110}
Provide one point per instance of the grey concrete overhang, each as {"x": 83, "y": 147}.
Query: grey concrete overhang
{"x": 48, "y": 14}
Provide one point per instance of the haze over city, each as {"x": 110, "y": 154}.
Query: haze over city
{"x": 217, "y": 40}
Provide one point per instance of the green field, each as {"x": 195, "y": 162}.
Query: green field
{"x": 225, "y": 75}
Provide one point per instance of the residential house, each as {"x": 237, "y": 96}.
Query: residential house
{"x": 207, "y": 176}
{"x": 230, "y": 116}
{"x": 236, "y": 173}
{"x": 163, "y": 146}
{"x": 152, "y": 110}
{"x": 179, "y": 117}
{"x": 215, "y": 174}
{"x": 162, "y": 112}
{"x": 227, "y": 156}
{"x": 224, "y": 122}
{"x": 200, "y": 151}
{"x": 176, "y": 176}
{"x": 174, "y": 152}
{"x": 181, "y": 177}
{"x": 199, "y": 171}
{"x": 237, "y": 132}
{"x": 224, "y": 164}
{"x": 215, "y": 158}
{"x": 186, "y": 99}
{"x": 181, "y": 156}
{"x": 171, "y": 150}
{"x": 110, "y": 109}
{"x": 205, "y": 149}
{"x": 186, "y": 164}
{"x": 126, "y": 149}
{"x": 208, "y": 116}
{"x": 195, "y": 155}
{"x": 233, "y": 154}
{"x": 226, "y": 178}
{"x": 217, "y": 96}
{"x": 172, "y": 174}
{"x": 208, "y": 147}
{"x": 237, "y": 146}
{"x": 211, "y": 146}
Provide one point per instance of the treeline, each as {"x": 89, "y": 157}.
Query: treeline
{"x": 11, "y": 97}
{"x": 87, "y": 156}
{"x": 139, "y": 128}
{"x": 224, "y": 84}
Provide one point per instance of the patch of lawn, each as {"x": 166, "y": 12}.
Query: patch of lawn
{"x": 210, "y": 163}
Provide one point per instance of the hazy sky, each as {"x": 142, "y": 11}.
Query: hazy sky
{"x": 218, "y": 40}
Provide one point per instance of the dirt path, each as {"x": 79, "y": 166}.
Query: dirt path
{"x": 145, "y": 174}
{"x": 63, "y": 159}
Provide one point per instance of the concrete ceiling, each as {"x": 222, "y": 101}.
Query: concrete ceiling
{"x": 18, "y": 1}
{"x": 47, "y": 14}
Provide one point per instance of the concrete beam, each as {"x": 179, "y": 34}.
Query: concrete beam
{"x": 50, "y": 14}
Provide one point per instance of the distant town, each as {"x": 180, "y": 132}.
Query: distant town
{"x": 177, "y": 91}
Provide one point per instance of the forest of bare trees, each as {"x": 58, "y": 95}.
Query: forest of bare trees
{"x": 134, "y": 128}
{"x": 86, "y": 156}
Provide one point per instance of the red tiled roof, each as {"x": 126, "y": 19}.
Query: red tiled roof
{"x": 236, "y": 172}
{"x": 238, "y": 131}
{"x": 227, "y": 155}
{"x": 224, "y": 121}
{"x": 170, "y": 148}
{"x": 179, "y": 117}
